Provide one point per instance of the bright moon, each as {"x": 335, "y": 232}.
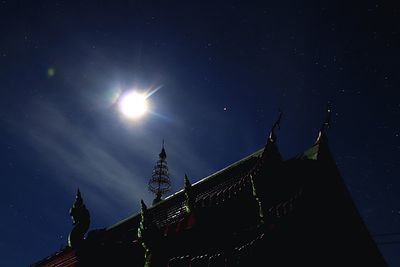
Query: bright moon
{"x": 133, "y": 105}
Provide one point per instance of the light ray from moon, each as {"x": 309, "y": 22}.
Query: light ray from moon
{"x": 154, "y": 90}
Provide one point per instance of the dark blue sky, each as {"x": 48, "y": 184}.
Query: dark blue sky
{"x": 225, "y": 68}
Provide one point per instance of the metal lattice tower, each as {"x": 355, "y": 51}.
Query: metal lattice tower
{"x": 159, "y": 182}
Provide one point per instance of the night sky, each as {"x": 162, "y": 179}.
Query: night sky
{"x": 223, "y": 69}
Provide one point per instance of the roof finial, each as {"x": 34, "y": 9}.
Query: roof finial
{"x": 272, "y": 135}
{"x": 189, "y": 202}
{"x": 143, "y": 207}
{"x": 80, "y": 221}
{"x": 78, "y": 197}
{"x": 325, "y": 124}
{"x": 187, "y": 185}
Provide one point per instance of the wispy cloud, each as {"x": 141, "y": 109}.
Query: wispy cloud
{"x": 82, "y": 158}
{"x": 112, "y": 170}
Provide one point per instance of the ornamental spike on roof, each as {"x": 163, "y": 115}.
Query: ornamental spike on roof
{"x": 325, "y": 124}
{"x": 271, "y": 150}
{"x": 272, "y": 135}
{"x": 187, "y": 183}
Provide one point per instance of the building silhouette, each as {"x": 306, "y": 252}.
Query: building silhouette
{"x": 260, "y": 211}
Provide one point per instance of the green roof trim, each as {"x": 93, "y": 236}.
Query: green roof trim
{"x": 132, "y": 217}
{"x": 310, "y": 154}
{"x": 258, "y": 154}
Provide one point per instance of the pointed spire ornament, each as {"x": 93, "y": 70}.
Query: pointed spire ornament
{"x": 267, "y": 166}
{"x": 325, "y": 124}
{"x": 160, "y": 182}
{"x": 277, "y": 124}
{"x": 187, "y": 184}
{"x": 189, "y": 202}
{"x": 80, "y": 221}
{"x": 271, "y": 149}
{"x": 143, "y": 207}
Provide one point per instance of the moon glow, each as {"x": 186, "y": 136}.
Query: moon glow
{"x": 133, "y": 105}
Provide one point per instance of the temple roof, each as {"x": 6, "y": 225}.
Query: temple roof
{"x": 213, "y": 186}
{"x": 280, "y": 193}
{"x": 221, "y": 184}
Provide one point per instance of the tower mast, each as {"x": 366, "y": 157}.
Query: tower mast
{"x": 160, "y": 182}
